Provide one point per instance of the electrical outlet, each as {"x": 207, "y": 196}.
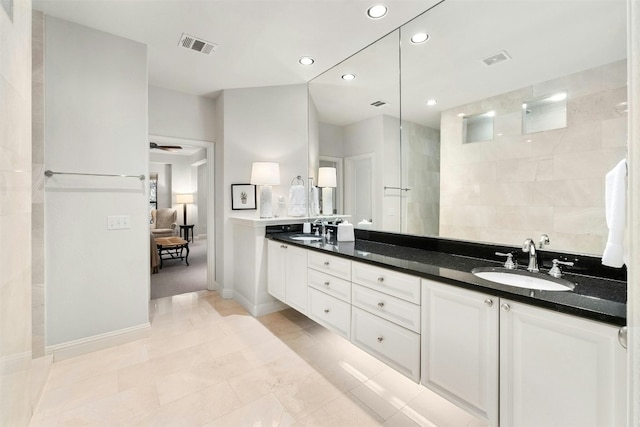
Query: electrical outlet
{"x": 118, "y": 222}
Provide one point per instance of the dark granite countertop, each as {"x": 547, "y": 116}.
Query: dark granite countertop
{"x": 596, "y": 298}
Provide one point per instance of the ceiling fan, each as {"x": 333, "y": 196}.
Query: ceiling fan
{"x": 164, "y": 147}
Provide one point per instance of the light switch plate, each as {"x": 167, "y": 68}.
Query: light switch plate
{"x": 118, "y": 222}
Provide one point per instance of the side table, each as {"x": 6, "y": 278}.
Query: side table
{"x": 185, "y": 230}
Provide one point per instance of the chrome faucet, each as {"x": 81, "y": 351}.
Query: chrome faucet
{"x": 530, "y": 246}
{"x": 322, "y": 223}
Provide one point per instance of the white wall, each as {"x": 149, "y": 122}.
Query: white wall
{"x": 15, "y": 215}
{"x": 97, "y": 280}
{"x": 181, "y": 115}
{"x": 257, "y": 124}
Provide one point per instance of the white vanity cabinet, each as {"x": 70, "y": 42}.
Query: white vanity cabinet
{"x": 460, "y": 347}
{"x": 385, "y": 317}
{"x": 287, "y": 274}
{"x": 539, "y": 367}
{"x": 330, "y": 292}
{"x": 559, "y": 370}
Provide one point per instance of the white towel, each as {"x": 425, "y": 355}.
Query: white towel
{"x": 297, "y": 200}
{"x": 616, "y": 213}
{"x": 314, "y": 200}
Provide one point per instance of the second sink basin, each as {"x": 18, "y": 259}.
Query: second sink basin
{"x": 308, "y": 237}
{"x": 523, "y": 279}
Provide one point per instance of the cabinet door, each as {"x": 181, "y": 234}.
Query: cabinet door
{"x": 296, "y": 278}
{"x": 559, "y": 370}
{"x": 276, "y": 262}
{"x": 396, "y": 346}
{"x": 460, "y": 347}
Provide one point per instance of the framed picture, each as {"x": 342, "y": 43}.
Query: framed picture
{"x": 243, "y": 196}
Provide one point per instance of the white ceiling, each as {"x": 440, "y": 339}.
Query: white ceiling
{"x": 259, "y": 41}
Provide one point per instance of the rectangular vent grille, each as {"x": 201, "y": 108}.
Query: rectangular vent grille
{"x": 199, "y": 45}
{"x": 496, "y": 58}
{"x": 378, "y": 103}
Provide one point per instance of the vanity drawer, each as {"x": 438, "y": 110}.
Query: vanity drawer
{"x": 394, "y": 283}
{"x": 396, "y": 346}
{"x": 396, "y": 310}
{"x": 339, "y": 267}
{"x": 329, "y": 284}
{"x": 330, "y": 312}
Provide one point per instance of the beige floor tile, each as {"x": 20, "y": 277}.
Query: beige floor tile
{"x": 196, "y": 409}
{"x": 343, "y": 411}
{"x": 270, "y": 377}
{"x": 306, "y": 395}
{"x": 62, "y": 399}
{"x": 266, "y": 411}
{"x": 430, "y": 409}
{"x": 208, "y": 362}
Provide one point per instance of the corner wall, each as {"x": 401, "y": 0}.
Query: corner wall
{"x": 97, "y": 280}
{"x": 255, "y": 124}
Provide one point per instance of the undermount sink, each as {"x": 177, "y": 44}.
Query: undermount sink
{"x": 523, "y": 279}
{"x": 309, "y": 237}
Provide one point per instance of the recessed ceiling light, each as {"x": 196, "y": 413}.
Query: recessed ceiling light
{"x": 558, "y": 97}
{"x": 306, "y": 60}
{"x": 348, "y": 76}
{"x": 460, "y": 114}
{"x": 377, "y": 11}
{"x": 418, "y": 38}
{"x": 432, "y": 102}
{"x": 490, "y": 113}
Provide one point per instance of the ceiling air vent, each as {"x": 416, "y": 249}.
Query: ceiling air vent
{"x": 378, "y": 103}
{"x": 496, "y": 58}
{"x": 194, "y": 43}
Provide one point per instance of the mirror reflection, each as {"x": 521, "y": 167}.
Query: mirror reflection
{"x": 407, "y": 167}
{"x": 545, "y": 113}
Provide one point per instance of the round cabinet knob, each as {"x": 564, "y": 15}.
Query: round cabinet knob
{"x": 326, "y": 283}
{"x": 488, "y": 302}
{"x": 380, "y": 279}
{"x": 380, "y": 339}
{"x": 326, "y": 263}
{"x": 326, "y": 310}
{"x": 381, "y": 304}
{"x": 505, "y": 307}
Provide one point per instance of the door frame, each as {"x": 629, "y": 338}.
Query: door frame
{"x": 209, "y": 148}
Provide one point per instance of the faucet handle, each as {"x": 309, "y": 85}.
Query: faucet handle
{"x": 509, "y": 263}
{"x": 544, "y": 240}
{"x": 555, "y": 268}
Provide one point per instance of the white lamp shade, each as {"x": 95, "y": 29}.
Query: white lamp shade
{"x": 184, "y": 198}
{"x": 327, "y": 177}
{"x": 265, "y": 173}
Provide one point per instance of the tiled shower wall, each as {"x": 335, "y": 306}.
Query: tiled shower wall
{"x": 518, "y": 186}
{"x": 15, "y": 214}
{"x": 37, "y": 201}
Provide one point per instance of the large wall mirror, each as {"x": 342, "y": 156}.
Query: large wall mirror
{"x": 399, "y": 128}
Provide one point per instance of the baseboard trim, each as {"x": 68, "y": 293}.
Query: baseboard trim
{"x": 97, "y": 342}
{"x": 260, "y": 309}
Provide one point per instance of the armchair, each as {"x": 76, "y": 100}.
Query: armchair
{"x": 163, "y": 222}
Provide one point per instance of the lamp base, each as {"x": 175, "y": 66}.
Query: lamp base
{"x": 266, "y": 205}
{"x": 327, "y": 201}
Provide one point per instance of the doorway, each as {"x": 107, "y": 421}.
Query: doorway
{"x": 184, "y": 182}
{"x": 358, "y": 188}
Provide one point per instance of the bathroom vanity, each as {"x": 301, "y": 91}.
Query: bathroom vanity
{"x": 510, "y": 356}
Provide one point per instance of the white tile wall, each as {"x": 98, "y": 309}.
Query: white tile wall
{"x": 519, "y": 186}
{"x": 15, "y": 214}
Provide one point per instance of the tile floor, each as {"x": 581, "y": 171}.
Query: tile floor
{"x": 209, "y": 363}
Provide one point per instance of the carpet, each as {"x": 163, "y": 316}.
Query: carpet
{"x": 176, "y": 277}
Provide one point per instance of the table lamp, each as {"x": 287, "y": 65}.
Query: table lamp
{"x": 184, "y": 199}
{"x": 265, "y": 174}
{"x": 327, "y": 180}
